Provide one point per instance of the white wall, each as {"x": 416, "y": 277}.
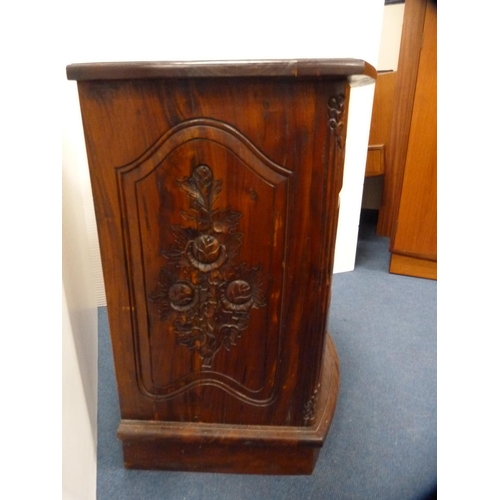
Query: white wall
{"x": 218, "y": 30}
{"x": 79, "y": 417}
{"x": 198, "y": 30}
{"x": 390, "y": 41}
{"x": 79, "y": 324}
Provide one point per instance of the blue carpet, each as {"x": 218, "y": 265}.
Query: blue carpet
{"x": 382, "y": 443}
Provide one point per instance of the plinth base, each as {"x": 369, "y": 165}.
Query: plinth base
{"x": 244, "y": 449}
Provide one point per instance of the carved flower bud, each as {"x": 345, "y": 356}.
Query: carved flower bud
{"x": 239, "y": 292}
{"x": 206, "y": 249}
{"x": 181, "y": 295}
{"x": 203, "y": 175}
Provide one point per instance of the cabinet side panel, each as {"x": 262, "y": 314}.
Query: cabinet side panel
{"x": 276, "y": 182}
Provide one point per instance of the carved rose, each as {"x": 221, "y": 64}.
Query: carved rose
{"x": 206, "y": 253}
{"x": 206, "y": 249}
{"x": 239, "y": 292}
{"x": 238, "y": 296}
{"x": 182, "y": 296}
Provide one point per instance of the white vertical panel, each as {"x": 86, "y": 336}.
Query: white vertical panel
{"x": 358, "y": 132}
{"x": 78, "y": 429}
{"x": 75, "y": 157}
{"x": 392, "y": 27}
{"x": 79, "y": 329}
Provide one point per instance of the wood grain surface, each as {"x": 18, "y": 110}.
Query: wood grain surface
{"x": 380, "y": 127}
{"x": 404, "y": 93}
{"x": 298, "y": 68}
{"x": 416, "y": 230}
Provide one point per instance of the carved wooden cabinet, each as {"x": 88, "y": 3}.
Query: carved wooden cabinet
{"x": 216, "y": 192}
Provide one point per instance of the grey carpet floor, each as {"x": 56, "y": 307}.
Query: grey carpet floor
{"x": 382, "y": 443}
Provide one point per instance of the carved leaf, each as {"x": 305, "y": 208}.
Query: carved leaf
{"x": 225, "y": 221}
{"x": 216, "y": 189}
{"x": 192, "y": 190}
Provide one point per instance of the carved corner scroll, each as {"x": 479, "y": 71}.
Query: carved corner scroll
{"x": 335, "y": 115}
{"x": 206, "y": 295}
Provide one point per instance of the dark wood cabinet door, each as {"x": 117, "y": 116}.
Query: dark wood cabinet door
{"x": 216, "y": 199}
{"x": 205, "y": 231}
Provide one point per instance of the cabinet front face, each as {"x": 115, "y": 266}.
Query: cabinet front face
{"x": 216, "y": 207}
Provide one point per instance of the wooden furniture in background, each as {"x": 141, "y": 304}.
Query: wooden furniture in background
{"x": 404, "y": 93}
{"x": 414, "y": 239}
{"x": 216, "y": 192}
{"x": 380, "y": 127}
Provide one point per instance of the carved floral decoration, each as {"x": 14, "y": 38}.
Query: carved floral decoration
{"x": 201, "y": 290}
{"x": 335, "y": 112}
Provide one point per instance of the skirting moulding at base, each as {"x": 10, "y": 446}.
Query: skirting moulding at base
{"x": 216, "y": 189}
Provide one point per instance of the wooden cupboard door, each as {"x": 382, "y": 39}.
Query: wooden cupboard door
{"x": 204, "y": 227}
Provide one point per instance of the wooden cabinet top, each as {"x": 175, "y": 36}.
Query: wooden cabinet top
{"x": 354, "y": 69}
